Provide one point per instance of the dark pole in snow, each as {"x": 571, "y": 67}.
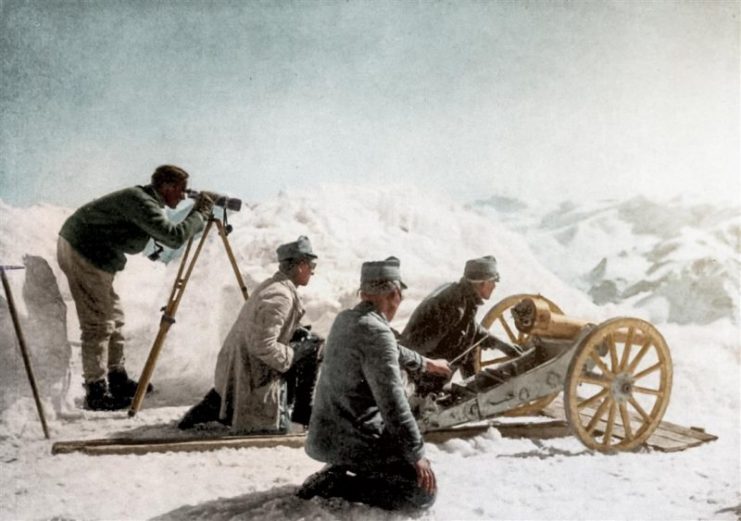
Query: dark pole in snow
{"x": 22, "y": 344}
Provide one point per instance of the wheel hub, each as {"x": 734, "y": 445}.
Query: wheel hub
{"x": 622, "y": 387}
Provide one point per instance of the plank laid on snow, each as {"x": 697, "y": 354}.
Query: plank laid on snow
{"x": 112, "y": 446}
{"x": 147, "y": 445}
{"x": 540, "y": 430}
{"x": 668, "y": 437}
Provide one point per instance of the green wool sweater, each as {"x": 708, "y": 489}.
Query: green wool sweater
{"x": 120, "y": 223}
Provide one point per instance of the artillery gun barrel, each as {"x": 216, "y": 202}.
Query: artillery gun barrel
{"x": 534, "y": 317}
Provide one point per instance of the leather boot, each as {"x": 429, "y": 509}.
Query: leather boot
{"x": 207, "y": 410}
{"x": 326, "y": 483}
{"x": 121, "y": 386}
{"x": 97, "y": 398}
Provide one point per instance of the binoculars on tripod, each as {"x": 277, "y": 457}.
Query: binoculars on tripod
{"x": 223, "y": 201}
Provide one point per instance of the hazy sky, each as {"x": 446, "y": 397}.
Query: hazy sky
{"x": 559, "y": 99}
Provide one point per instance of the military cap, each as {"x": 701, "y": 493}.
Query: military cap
{"x": 483, "y": 268}
{"x": 297, "y": 249}
{"x": 377, "y": 271}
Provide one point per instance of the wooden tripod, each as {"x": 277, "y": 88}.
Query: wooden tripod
{"x": 178, "y": 288}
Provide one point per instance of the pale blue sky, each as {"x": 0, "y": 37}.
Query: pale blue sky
{"x": 562, "y": 99}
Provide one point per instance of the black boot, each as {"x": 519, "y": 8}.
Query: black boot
{"x": 121, "y": 386}
{"x": 97, "y": 398}
{"x": 326, "y": 483}
{"x": 207, "y": 410}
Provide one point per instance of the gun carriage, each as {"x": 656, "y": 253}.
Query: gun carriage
{"x": 616, "y": 376}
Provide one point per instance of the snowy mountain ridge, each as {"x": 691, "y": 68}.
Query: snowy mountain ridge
{"x": 679, "y": 259}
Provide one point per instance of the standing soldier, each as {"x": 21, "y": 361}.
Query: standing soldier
{"x": 250, "y": 390}
{"x": 362, "y": 425}
{"x": 92, "y": 248}
{"x": 444, "y": 324}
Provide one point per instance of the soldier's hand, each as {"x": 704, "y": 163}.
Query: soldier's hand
{"x": 204, "y": 205}
{"x": 438, "y": 366}
{"x": 425, "y": 476}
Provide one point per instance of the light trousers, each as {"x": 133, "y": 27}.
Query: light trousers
{"x": 98, "y": 310}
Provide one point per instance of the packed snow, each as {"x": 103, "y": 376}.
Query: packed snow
{"x": 540, "y": 249}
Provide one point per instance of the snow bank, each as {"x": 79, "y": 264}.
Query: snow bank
{"x": 43, "y": 321}
{"x": 432, "y": 235}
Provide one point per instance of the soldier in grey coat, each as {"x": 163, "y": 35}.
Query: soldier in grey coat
{"x": 444, "y": 324}
{"x": 361, "y": 424}
{"x": 249, "y": 391}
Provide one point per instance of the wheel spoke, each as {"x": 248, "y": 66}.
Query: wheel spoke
{"x": 639, "y": 356}
{"x": 613, "y": 353}
{"x": 593, "y": 399}
{"x": 600, "y": 363}
{"x": 645, "y": 390}
{"x": 626, "y": 421}
{"x": 507, "y": 329}
{"x": 601, "y": 410}
{"x": 637, "y": 407}
{"x": 626, "y": 351}
{"x": 648, "y": 371}
{"x": 610, "y": 425}
{"x": 595, "y": 379}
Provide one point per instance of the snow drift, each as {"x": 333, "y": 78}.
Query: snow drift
{"x": 432, "y": 236}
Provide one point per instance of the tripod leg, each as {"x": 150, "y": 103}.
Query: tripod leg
{"x": 148, "y": 370}
{"x": 24, "y": 352}
{"x": 167, "y": 320}
{"x": 169, "y": 316}
{"x": 232, "y": 260}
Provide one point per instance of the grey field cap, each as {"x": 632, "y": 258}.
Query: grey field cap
{"x": 297, "y": 249}
{"x": 388, "y": 269}
{"x": 483, "y": 268}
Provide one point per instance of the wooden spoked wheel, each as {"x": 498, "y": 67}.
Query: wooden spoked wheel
{"x": 618, "y": 384}
{"x": 500, "y": 323}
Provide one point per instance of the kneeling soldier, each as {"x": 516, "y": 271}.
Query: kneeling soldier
{"x": 362, "y": 424}
{"x": 250, "y": 389}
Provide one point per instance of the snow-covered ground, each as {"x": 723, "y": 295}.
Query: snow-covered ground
{"x": 486, "y": 477}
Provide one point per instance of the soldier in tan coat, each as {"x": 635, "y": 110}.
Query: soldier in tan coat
{"x": 249, "y": 391}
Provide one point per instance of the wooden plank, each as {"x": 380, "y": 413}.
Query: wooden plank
{"x": 147, "y": 445}
{"x": 118, "y": 446}
{"x": 541, "y": 430}
{"x": 668, "y": 437}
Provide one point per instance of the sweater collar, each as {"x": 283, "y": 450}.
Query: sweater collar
{"x": 368, "y": 307}
{"x": 469, "y": 293}
{"x": 154, "y": 193}
{"x": 279, "y": 276}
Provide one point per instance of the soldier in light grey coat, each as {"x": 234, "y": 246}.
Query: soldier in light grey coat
{"x": 361, "y": 423}
{"x": 249, "y": 390}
